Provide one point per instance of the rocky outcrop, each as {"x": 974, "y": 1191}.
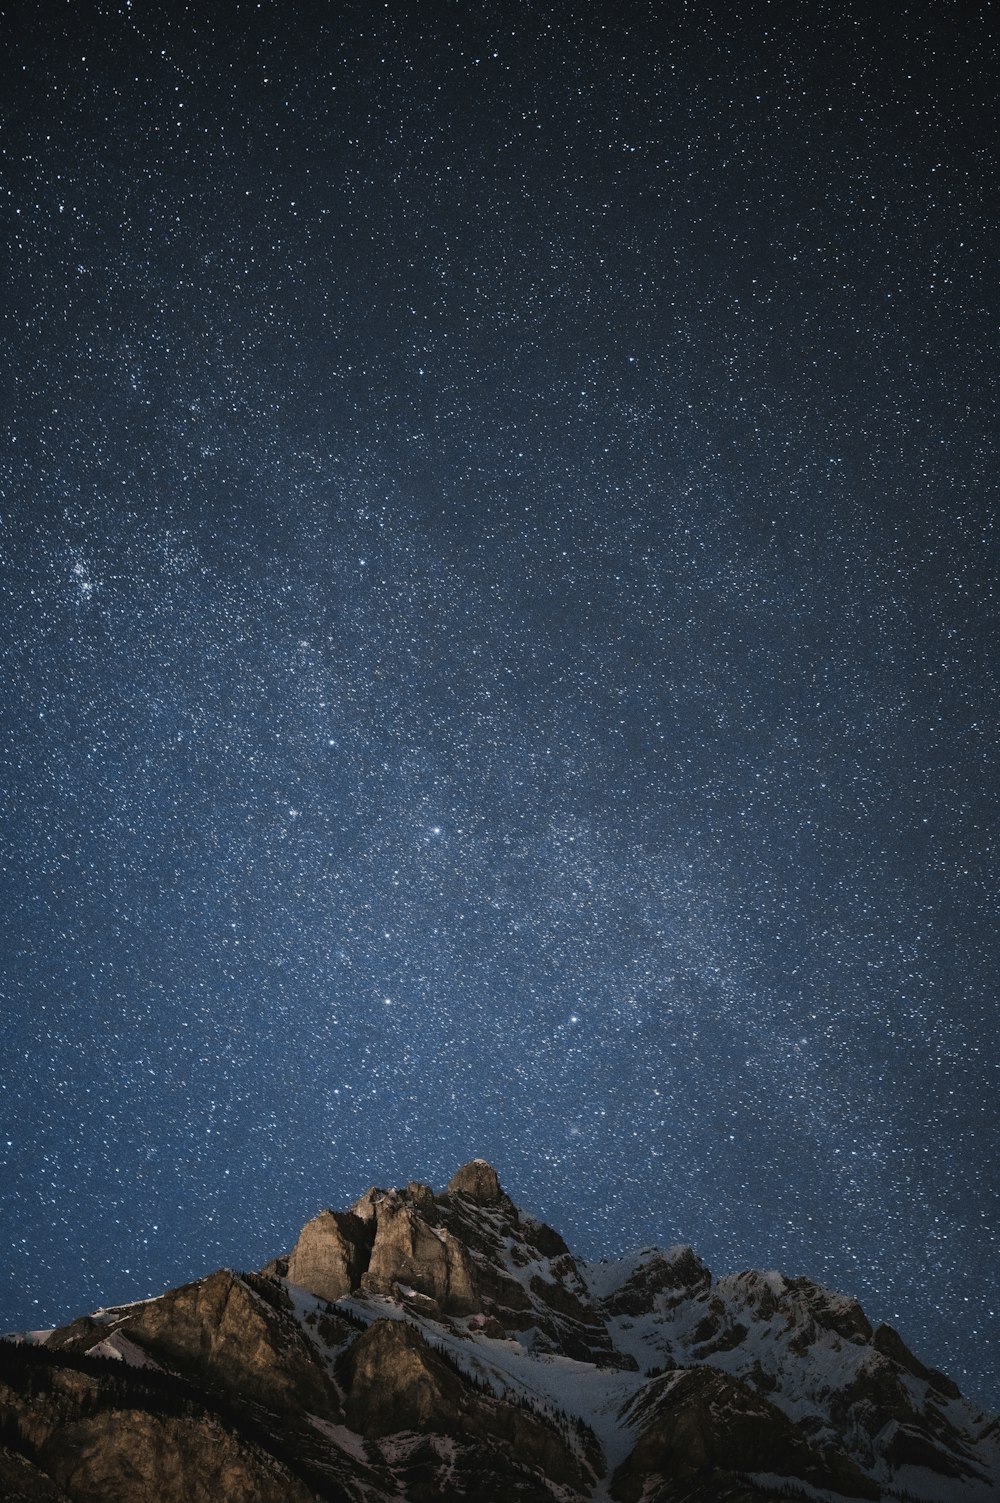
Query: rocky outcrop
{"x": 889, "y": 1342}
{"x": 468, "y": 1251}
{"x": 331, "y": 1254}
{"x": 223, "y": 1332}
{"x": 395, "y": 1383}
{"x": 395, "y": 1240}
{"x": 701, "y": 1427}
{"x": 479, "y": 1181}
{"x": 524, "y": 1274}
{"x": 410, "y": 1253}
{"x": 131, "y": 1456}
{"x": 398, "y": 1382}
{"x": 421, "y": 1196}
{"x": 103, "y": 1436}
{"x": 23, "y": 1482}
{"x": 654, "y": 1279}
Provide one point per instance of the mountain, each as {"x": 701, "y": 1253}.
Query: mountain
{"x": 448, "y": 1346}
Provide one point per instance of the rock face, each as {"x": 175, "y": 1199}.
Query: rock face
{"x": 220, "y": 1332}
{"x": 699, "y": 1422}
{"x": 449, "y": 1346}
{"x": 132, "y": 1454}
{"x": 479, "y": 1181}
{"x": 331, "y": 1254}
{"x": 412, "y": 1253}
{"x": 88, "y": 1435}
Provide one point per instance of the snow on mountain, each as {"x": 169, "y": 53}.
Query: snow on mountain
{"x": 449, "y": 1345}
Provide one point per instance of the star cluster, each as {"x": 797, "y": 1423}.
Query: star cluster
{"x": 500, "y": 621}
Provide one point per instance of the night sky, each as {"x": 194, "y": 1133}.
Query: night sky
{"x": 499, "y": 636}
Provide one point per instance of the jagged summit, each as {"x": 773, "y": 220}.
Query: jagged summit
{"x": 478, "y": 1180}
{"x": 424, "y": 1345}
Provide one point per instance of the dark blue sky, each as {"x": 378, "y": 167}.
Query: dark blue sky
{"x": 500, "y": 634}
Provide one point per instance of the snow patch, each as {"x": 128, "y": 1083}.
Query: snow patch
{"x": 121, "y": 1349}
{"x": 345, "y": 1440}
{"x": 608, "y": 1275}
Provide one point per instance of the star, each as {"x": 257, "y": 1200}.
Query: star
{"x": 569, "y": 442}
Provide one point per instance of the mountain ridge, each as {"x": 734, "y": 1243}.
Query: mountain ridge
{"x": 426, "y": 1344}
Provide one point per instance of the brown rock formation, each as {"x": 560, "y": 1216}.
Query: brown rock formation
{"x": 479, "y": 1181}
{"x": 398, "y": 1382}
{"x": 331, "y": 1254}
{"x": 220, "y": 1330}
{"x": 89, "y": 1444}
{"x": 365, "y": 1205}
{"x": 23, "y": 1482}
{"x": 409, "y": 1252}
{"x": 701, "y": 1424}
{"x": 130, "y": 1456}
{"x": 421, "y": 1196}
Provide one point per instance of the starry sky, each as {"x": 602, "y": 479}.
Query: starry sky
{"x": 499, "y": 634}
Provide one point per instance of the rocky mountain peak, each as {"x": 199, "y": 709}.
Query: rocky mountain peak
{"x": 479, "y": 1180}
{"x": 450, "y": 1346}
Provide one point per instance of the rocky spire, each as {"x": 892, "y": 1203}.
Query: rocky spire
{"x": 478, "y": 1180}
